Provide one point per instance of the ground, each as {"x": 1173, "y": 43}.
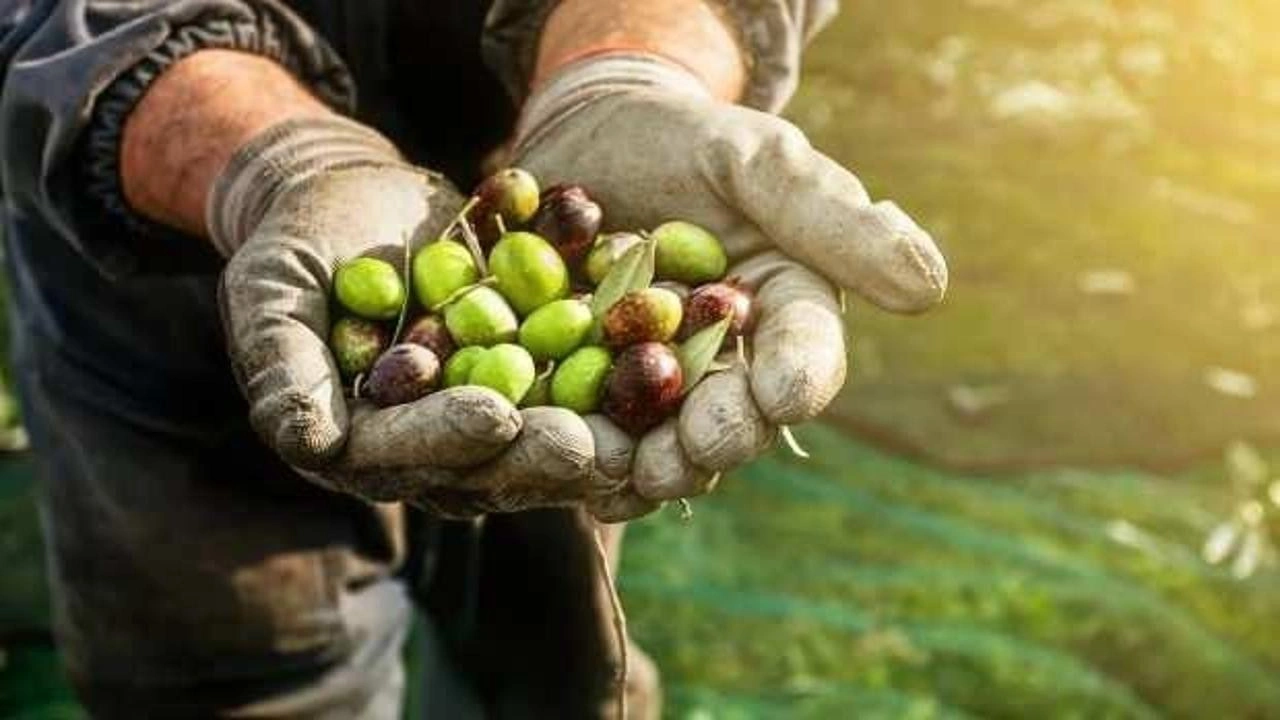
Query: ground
{"x": 1005, "y": 513}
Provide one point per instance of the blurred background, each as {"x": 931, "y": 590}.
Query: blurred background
{"x": 1058, "y": 496}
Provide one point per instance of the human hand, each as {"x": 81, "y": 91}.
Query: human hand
{"x": 651, "y": 146}
{"x": 297, "y": 200}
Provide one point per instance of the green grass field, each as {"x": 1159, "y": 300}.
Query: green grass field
{"x": 1041, "y": 558}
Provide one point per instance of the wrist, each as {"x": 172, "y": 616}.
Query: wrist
{"x": 192, "y": 120}
{"x": 696, "y": 36}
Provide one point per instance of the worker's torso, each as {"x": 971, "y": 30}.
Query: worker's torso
{"x": 149, "y": 345}
{"x": 126, "y": 384}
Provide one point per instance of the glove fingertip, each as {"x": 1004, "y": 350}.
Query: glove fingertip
{"x": 910, "y": 275}
{"x": 481, "y": 415}
{"x": 720, "y": 425}
{"x": 302, "y": 434}
{"x": 799, "y": 362}
{"x": 559, "y": 441}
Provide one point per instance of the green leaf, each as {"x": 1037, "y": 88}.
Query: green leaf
{"x": 697, "y": 354}
{"x": 632, "y": 271}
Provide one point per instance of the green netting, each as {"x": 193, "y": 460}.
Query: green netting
{"x": 1025, "y": 596}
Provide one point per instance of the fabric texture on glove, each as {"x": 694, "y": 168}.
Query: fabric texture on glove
{"x": 772, "y": 34}
{"x": 83, "y": 65}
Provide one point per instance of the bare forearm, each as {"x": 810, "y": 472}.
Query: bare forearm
{"x": 688, "y": 32}
{"x": 192, "y": 120}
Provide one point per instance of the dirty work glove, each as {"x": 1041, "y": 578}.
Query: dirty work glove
{"x": 650, "y": 145}
{"x": 300, "y": 198}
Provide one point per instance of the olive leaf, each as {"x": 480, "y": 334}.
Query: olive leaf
{"x": 632, "y": 271}
{"x": 697, "y": 354}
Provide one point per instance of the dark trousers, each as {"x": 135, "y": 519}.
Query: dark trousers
{"x": 194, "y": 576}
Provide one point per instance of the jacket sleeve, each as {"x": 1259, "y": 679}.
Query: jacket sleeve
{"x": 72, "y": 70}
{"x": 772, "y": 32}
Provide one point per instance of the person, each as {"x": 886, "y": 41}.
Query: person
{"x": 227, "y": 533}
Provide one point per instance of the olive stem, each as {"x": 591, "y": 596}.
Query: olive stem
{"x": 844, "y": 301}
{"x": 456, "y": 295}
{"x": 473, "y": 244}
{"x": 792, "y": 444}
{"x": 355, "y": 385}
{"x": 619, "y": 623}
{"x": 448, "y": 229}
{"x": 502, "y": 226}
{"x": 686, "y": 509}
{"x": 546, "y": 374}
{"x": 408, "y": 293}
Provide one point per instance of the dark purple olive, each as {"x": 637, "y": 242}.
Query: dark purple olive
{"x": 644, "y": 387}
{"x": 569, "y": 219}
{"x": 711, "y": 303}
{"x": 403, "y": 374}
{"x": 430, "y": 332}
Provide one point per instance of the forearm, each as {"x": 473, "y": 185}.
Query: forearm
{"x": 690, "y": 33}
{"x": 192, "y": 120}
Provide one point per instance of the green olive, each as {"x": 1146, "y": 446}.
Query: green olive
{"x": 607, "y": 250}
{"x": 480, "y": 317}
{"x": 579, "y": 381}
{"x": 441, "y": 269}
{"x": 458, "y": 369}
{"x": 356, "y": 343}
{"x": 529, "y": 271}
{"x": 370, "y": 288}
{"x": 506, "y": 368}
{"x": 556, "y": 329}
{"x": 687, "y": 253}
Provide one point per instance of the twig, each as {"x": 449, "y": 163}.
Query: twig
{"x": 473, "y": 244}
{"x": 792, "y": 443}
{"x": 456, "y": 295}
{"x": 619, "y": 623}
{"x": 448, "y": 229}
{"x": 408, "y": 292}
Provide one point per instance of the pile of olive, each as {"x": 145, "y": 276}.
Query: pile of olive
{"x": 523, "y": 294}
